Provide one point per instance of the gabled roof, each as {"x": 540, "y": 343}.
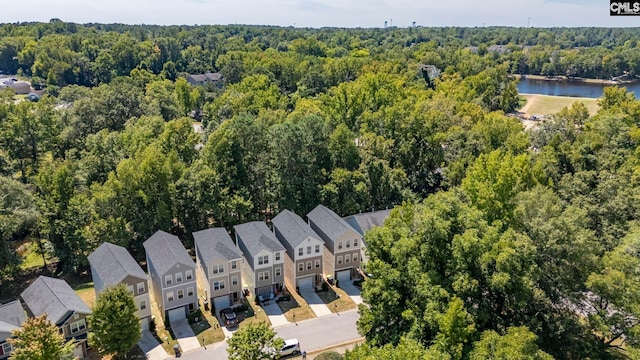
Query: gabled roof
{"x": 215, "y": 243}
{"x": 165, "y": 251}
{"x": 113, "y": 264}
{"x": 293, "y": 229}
{"x": 256, "y": 237}
{"x": 206, "y": 76}
{"x": 11, "y": 316}
{"x": 365, "y": 221}
{"x": 54, "y": 297}
{"x": 332, "y": 225}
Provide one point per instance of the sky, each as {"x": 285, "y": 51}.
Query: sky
{"x": 323, "y": 13}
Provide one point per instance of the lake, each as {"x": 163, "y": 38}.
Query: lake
{"x": 568, "y": 88}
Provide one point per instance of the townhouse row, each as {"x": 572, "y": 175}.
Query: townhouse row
{"x": 295, "y": 254}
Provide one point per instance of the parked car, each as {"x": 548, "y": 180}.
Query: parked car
{"x": 291, "y": 347}
{"x": 229, "y": 317}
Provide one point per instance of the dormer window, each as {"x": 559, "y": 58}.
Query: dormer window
{"x": 277, "y": 256}
{"x": 263, "y": 260}
{"x": 355, "y": 242}
{"x": 234, "y": 264}
{"x": 300, "y": 251}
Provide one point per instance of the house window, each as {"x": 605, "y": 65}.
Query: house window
{"x": 339, "y": 245}
{"x": 189, "y": 291}
{"x": 143, "y": 304}
{"x": 234, "y": 264}
{"x": 218, "y": 269}
{"x": 180, "y": 294}
{"x": 308, "y": 250}
{"x": 347, "y": 258}
{"x": 277, "y": 271}
{"x": 263, "y": 260}
{"x": 339, "y": 259}
{"x": 167, "y": 280}
{"x": 278, "y": 256}
{"x": 130, "y": 289}
{"x": 170, "y": 296}
{"x": 317, "y": 249}
{"x": 6, "y": 349}
{"x": 317, "y": 263}
{"x": 262, "y": 276}
{"x": 188, "y": 274}
{"x": 301, "y": 251}
{"x": 348, "y": 244}
{"x": 234, "y": 280}
{"x": 355, "y": 242}
{"x": 78, "y": 326}
{"x": 218, "y": 285}
{"x": 178, "y": 277}
{"x": 308, "y": 265}
{"x": 140, "y": 287}
{"x": 300, "y": 266}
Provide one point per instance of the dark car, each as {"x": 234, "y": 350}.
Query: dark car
{"x": 229, "y": 317}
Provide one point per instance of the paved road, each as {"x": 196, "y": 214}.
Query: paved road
{"x": 313, "y": 334}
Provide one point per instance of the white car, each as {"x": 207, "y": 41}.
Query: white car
{"x": 291, "y": 347}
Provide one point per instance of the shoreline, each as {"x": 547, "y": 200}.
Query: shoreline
{"x": 576, "y": 79}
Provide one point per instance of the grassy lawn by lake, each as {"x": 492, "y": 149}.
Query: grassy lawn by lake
{"x": 547, "y": 104}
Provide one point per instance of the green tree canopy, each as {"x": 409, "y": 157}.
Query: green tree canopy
{"x": 252, "y": 343}
{"x": 39, "y": 339}
{"x": 115, "y": 326}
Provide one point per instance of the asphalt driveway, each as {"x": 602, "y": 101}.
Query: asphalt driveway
{"x": 315, "y": 303}
{"x": 275, "y": 314}
{"x": 151, "y": 347}
{"x": 352, "y": 291}
{"x": 184, "y": 334}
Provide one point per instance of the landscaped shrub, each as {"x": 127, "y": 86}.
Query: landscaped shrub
{"x": 192, "y": 317}
{"x": 329, "y": 355}
{"x": 324, "y": 286}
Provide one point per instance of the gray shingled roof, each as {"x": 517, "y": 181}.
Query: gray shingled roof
{"x": 54, "y": 297}
{"x": 215, "y": 243}
{"x": 166, "y": 251}
{"x": 113, "y": 264}
{"x": 11, "y": 316}
{"x": 206, "y": 76}
{"x": 365, "y": 221}
{"x": 256, "y": 236}
{"x": 329, "y": 222}
{"x": 293, "y": 228}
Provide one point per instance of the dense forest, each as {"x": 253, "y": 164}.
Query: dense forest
{"x": 503, "y": 241}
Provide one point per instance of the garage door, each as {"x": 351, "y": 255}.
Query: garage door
{"x": 144, "y": 324}
{"x": 221, "y": 302}
{"x": 177, "y": 314}
{"x": 344, "y": 275}
{"x": 305, "y": 282}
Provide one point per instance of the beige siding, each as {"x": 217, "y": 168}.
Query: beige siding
{"x": 328, "y": 262}
{"x": 289, "y": 273}
{"x": 66, "y": 328}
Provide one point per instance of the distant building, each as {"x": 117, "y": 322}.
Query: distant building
{"x": 206, "y": 78}
{"x": 20, "y": 87}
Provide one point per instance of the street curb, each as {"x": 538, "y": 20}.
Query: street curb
{"x": 346, "y": 343}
